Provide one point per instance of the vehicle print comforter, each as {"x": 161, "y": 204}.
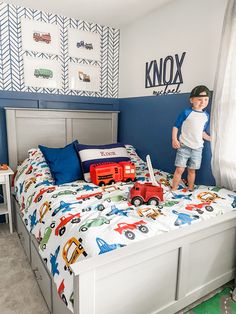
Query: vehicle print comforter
{"x": 76, "y": 221}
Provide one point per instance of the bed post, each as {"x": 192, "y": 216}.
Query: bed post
{"x": 84, "y": 293}
{"x": 12, "y": 139}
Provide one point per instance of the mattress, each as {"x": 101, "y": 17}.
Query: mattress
{"x": 79, "y": 220}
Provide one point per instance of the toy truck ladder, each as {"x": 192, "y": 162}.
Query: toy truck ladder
{"x": 151, "y": 173}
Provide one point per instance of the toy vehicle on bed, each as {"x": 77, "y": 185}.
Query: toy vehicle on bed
{"x": 109, "y": 173}
{"x": 150, "y": 193}
{"x": 146, "y": 193}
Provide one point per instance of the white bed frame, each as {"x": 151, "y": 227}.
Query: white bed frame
{"x": 162, "y": 274}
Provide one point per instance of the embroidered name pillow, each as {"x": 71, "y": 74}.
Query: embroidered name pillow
{"x": 94, "y": 154}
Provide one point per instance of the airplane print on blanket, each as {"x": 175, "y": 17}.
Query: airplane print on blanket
{"x": 76, "y": 221}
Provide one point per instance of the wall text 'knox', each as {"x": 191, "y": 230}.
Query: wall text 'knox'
{"x": 166, "y": 71}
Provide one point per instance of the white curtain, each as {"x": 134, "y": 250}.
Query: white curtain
{"x": 223, "y": 114}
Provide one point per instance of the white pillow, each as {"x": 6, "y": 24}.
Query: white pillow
{"x": 94, "y": 154}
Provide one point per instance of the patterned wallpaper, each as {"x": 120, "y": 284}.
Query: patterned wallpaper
{"x": 11, "y": 53}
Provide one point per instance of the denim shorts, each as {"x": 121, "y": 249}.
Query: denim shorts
{"x": 188, "y": 157}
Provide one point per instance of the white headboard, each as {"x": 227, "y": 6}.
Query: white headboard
{"x": 27, "y": 128}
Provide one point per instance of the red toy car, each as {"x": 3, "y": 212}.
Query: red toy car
{"x": 109, "y": 173}
{"x": 146, "y": 193}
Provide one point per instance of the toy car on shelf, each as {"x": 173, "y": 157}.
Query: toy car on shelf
{"x": 109, "y": 173}
{"x": 3, "y": 167}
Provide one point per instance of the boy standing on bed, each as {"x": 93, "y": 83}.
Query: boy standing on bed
{"x": 192, "y": 123}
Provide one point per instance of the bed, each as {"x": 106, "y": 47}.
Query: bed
{"x": 168, "y": 256}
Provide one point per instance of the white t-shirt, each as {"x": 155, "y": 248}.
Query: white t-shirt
{"x": 192, "y": 124}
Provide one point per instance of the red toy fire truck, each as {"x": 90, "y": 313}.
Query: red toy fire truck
{"x": 146, "y": 193}
{"x": 109, "y": 173}
{"x": 150, "y": 193}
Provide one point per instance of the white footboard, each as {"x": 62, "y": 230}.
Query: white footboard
{"x": 162, "y": 274}
{"x": 159, "y": 275}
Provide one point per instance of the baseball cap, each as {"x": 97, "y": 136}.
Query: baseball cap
{"x": 200, "y": 89}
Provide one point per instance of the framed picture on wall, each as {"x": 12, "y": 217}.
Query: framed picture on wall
{"x": 84, "y": 45}
{"x": 84, "y": 77}
{"x": 40, "y": 72}
{"x": 40, "y": 37}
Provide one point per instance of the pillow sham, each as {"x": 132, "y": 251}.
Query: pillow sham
{"x": 93, "y": 154}
{"x": 64, "y": 163}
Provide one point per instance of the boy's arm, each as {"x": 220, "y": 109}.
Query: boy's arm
{"x": 206, "y": 136}
{"x": 175, "y": 142}
{"x": 178, "y": 123}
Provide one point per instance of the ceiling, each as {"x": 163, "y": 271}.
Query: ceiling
{"x": 113, "y": 13}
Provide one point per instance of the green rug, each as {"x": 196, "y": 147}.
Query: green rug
{"x": 218, "y": 304}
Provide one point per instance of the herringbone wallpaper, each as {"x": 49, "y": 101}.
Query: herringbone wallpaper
{"x": 11, "y": 53}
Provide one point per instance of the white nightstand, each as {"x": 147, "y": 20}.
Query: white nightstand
{"x": 5, "y": 208}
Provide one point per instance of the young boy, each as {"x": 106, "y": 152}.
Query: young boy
{"x": 193, "y": 122}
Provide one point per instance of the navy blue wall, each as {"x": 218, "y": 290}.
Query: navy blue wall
{"x": 146, "y": 123}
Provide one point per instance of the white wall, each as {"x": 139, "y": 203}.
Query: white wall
{"x": 182, "y": 25}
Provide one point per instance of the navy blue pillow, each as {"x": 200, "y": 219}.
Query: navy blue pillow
{"x": 63, "y": 163}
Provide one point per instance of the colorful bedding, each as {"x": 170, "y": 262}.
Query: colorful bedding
{"x": 79, "y": 220}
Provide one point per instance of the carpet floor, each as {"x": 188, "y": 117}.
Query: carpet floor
{"x": 219, "y": 304}
{"x": 19, "y": 291}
